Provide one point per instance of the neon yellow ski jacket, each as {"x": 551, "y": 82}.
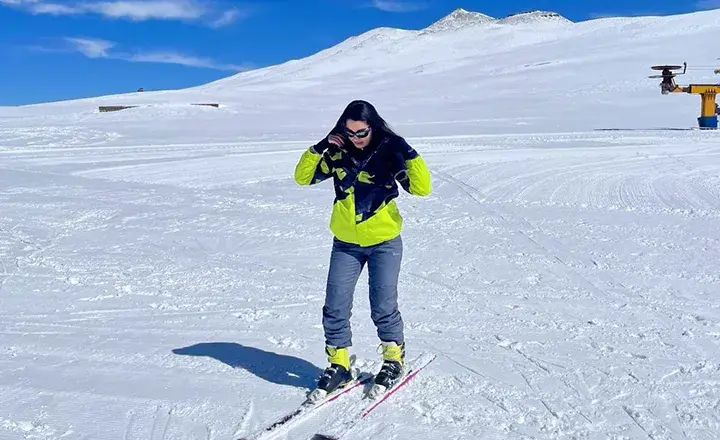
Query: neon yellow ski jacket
{"x": 364, "y": 210}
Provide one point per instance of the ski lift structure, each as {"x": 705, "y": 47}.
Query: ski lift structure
{"x": 708, "y": 93}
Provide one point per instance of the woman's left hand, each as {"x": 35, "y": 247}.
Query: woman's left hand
{"x": 396, "y": 164}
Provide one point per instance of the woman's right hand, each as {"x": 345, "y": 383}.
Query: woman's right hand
{"x": 336, "y": 140}
{"x": 332, "y": 139}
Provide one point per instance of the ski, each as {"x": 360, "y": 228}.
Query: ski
{"x": 306, "y": 410}
{"x": 370, "y": 405}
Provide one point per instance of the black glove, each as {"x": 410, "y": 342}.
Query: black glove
{"x": 395, "y": 163}
{"x": 321, "y": 146}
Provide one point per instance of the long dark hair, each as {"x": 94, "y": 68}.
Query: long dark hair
{"x": 359, "y": 110}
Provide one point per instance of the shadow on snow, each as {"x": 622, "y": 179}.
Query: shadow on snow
{"x": 272, "y": 367}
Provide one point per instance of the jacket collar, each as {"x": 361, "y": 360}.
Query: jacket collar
{"x": 358, "y": 160}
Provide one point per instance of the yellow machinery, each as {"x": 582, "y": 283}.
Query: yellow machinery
{"x": 708, "y": 92}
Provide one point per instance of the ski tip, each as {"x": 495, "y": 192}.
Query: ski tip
{"x": 376, "y": 391}
{"x": 323, "y": 437}
{"x": 315, "y": 396}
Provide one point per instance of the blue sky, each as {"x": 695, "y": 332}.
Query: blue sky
{"x": 64, "y": 49}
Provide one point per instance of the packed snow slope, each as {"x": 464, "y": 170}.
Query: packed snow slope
{"x": 162, "y": 276}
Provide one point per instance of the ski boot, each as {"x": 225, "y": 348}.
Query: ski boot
{"x": 337, "y": 376}
{"x": 392, "y": 370}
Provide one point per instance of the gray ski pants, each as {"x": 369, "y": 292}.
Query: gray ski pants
{"x": 346, "y": 263}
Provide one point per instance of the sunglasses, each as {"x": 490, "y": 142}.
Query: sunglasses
{"x": 360, "y": 134}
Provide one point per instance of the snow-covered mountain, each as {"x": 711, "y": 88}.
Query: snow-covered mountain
{"x": 458, "y": 19}
{"x": 461, "y": 18}
{"x": 533, "y": 71}
{"x": 534, "y": 17}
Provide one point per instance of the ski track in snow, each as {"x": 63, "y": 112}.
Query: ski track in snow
{"x": 568, "y": 283}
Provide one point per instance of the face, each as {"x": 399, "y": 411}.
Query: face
{"x": 358, "y": 132}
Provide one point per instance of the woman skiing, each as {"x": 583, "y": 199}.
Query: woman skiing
{"x": 366, "y": 160}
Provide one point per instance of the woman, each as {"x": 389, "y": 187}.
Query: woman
{"x": 366, "y": 159}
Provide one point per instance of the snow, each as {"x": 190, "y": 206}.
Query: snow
{"x": 458, "y": 19}
{"x": 534, "y": 17}
{"x": 162, "y": 276}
